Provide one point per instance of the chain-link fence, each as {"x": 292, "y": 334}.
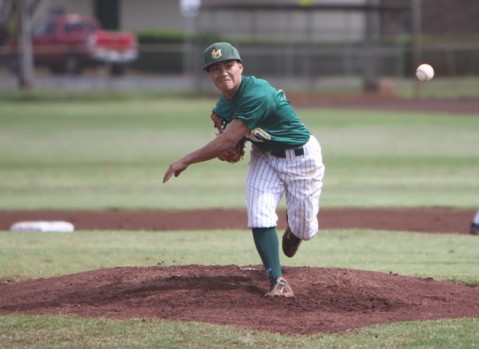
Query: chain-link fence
{"x": 336, "y": 48}
{"x": 355, "y": 46}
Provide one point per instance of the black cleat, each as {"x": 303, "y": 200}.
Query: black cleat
{"x": 290, "y": 243}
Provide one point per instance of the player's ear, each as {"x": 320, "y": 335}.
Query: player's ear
{"x": 240, "y": 66}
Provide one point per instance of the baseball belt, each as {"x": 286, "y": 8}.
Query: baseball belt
{"x": 282, "y": 152}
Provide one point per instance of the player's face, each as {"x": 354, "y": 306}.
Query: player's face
{"x": 226, "y": 76}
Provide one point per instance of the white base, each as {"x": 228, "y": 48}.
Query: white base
{"x": 44, "y": 226}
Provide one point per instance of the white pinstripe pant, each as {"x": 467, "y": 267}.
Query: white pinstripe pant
{"x": 299, "y": 178}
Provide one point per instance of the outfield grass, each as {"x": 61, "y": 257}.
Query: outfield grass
{"x": 111, "y": 153}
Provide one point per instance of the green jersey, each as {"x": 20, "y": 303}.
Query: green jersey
{"x": 272, "y": 122}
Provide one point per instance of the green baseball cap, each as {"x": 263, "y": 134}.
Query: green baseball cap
{"x": 218, "y": 52}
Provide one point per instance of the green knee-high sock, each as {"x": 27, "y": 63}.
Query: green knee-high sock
{"x": 267, "y": 245}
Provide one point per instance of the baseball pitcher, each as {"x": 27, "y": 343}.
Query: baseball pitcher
{"x": 285, "y": 158}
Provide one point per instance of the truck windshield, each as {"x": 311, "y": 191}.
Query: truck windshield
{"x": 44, "y": 28}
{"x": 80, "y": 27}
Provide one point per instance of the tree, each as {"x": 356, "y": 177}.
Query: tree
{"x": 15, "y": 19}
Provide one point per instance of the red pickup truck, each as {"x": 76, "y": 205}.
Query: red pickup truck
{"x": 68, "y": 43}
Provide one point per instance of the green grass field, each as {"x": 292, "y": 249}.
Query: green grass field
{"x": 113, "y": 153}
{"x": 95, "y": 153}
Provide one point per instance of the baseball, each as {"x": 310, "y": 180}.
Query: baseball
{"x": 424, "y": 72}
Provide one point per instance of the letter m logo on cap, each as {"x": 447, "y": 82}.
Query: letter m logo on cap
{"x": 218, "y": 52}
{"x": 215, "y": 54}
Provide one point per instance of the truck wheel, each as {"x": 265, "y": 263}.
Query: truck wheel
{"x": 117, "y": 69}
{"x": 73, "y": 64}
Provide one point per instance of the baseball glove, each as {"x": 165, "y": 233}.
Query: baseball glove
{"x": 234, "y": 155}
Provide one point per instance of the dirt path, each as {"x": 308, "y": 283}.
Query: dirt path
{"x": 437, "y": 220}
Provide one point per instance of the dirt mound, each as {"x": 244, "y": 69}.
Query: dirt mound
{"x": 328, "y": 300}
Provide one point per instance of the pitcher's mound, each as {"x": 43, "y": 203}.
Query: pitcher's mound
{"x": 328, "y": 300}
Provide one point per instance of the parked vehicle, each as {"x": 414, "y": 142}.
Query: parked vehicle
{"x": 69, "y": 43}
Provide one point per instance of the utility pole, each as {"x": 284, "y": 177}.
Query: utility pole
{"x": 26, "y": 54}
{"x": 417, "y": 23}
{"x": 190, "y": 10}
{"x": 370, "y": 83}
